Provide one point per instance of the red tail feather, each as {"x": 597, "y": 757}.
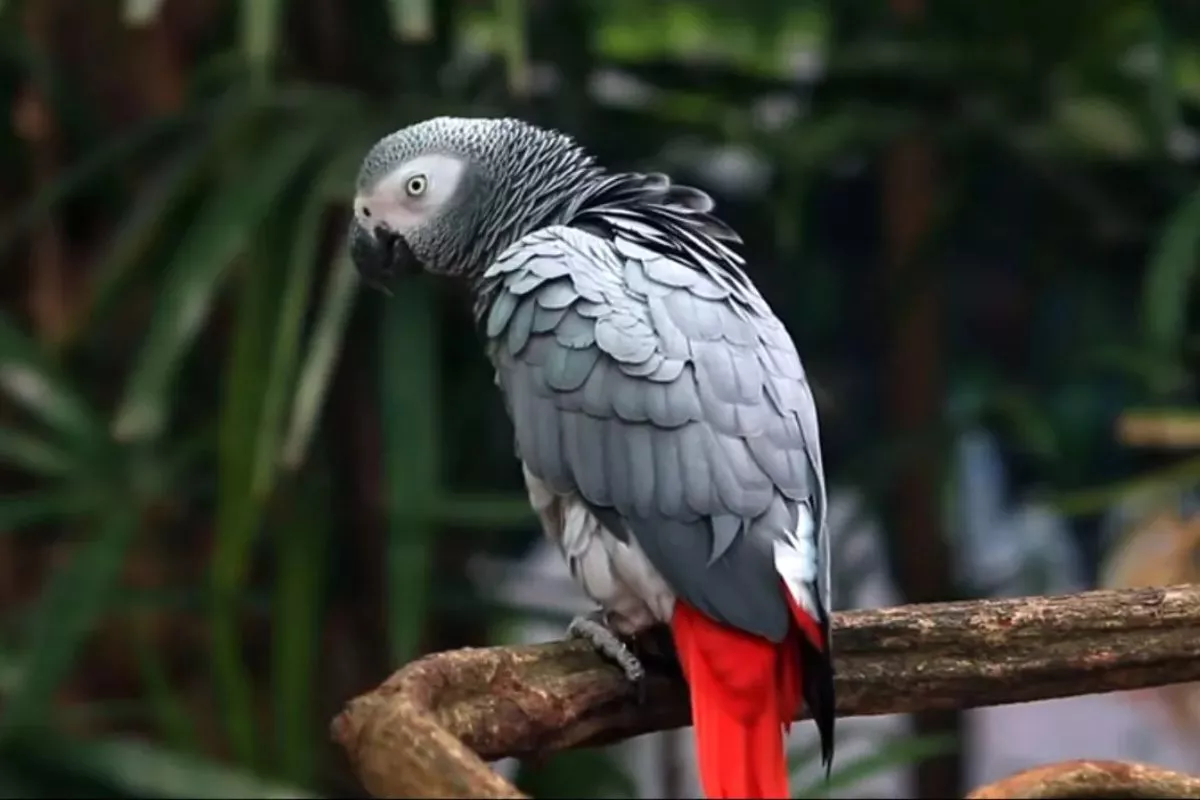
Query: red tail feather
{"x": 745, "y": 691}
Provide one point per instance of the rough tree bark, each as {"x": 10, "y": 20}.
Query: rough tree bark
{"x": 427, "y": 731}
{"x": 1091, "y": 780}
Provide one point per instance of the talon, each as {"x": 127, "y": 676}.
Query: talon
{"x": 597, "y": 633}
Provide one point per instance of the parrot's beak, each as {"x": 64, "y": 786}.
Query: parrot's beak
{"x": 380, "y": 256}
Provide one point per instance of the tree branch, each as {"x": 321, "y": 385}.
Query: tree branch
{"x": 1091, "y": 779}
{"x": 418, "y": 734}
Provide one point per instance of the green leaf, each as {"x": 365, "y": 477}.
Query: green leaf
{"x": 1030, "y": 422}
{"x": 338, "y": 185}
{"x": 484, "y": 511}
{"x": 296, "y": 630}
{"x": 261, "y": 373}
{"x": 412, "y": 20}
{"x": 512, "y": 16}
{"x": 22, "y": 510}
{"x": 274, "y": 293}
{"x": 141, "y": 227}
{"x": 221, "y": 232}
{"x": 1096, "y": 499}
{"x": 23, "y": 451}
{"x": 408, "y": 381}
{"x": 323, "y": 350}
{"x": 1158, "y": 370}
{"x": 592, "y": 773}
{"x": 239, "y": 509}
{"x": 325, "y": 342}
{"x": 99, "y": 162}
{"x": 141, "y": 12}
{"x": 170, "y": 712}
{"x": 140, "y": 769}
{"x": 69, "y": 608}
{"x": 1169, "y": 279}
{"x": 28, "y": 377}
{"x": 281, "y": 366}
{"x": 1100, "y": 125}
{"x": 897, "y": 751}
{"x": 261, "y": 21}
{"x": 1163, "y": 84}
{"x": 807, "y": 755}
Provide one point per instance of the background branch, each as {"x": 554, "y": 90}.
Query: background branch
{"x": 418, "y": 734}
{"x": 1091, "y": 779}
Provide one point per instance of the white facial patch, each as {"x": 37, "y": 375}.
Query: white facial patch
{"x": 410, "y": 195}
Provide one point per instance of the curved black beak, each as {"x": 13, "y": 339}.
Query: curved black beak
{"x": 380, "y": 256}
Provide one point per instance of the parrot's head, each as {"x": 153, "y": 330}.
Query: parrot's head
{"x": 448, "y": 194}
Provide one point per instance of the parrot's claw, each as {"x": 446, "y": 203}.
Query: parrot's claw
{"x": 591, "y": 627}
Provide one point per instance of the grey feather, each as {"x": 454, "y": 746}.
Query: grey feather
{"x": 520, "y": 326}
{"x": 502, "y": 310}
{"x": 567, "y": 368}
{"x": 545, "y": 319}
{"x": 725, "y": 531}
{"x": 557, "y": 295}
{"x": 672, "y": 401}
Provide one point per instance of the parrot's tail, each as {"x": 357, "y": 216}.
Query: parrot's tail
{"x": 745, "y": 691}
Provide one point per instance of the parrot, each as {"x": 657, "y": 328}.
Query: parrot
{"x": 664, "y": 424}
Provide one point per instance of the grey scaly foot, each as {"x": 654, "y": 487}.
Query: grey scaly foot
{"x": 593, "y": 629}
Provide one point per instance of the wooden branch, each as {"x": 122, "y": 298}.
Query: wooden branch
{"x": 427, "y": 730}
{"x": 1178, "y": 430}
{"x": 1091, "y": 779}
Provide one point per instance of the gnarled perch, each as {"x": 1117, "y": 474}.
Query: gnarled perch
{"x": 426, "y": 731}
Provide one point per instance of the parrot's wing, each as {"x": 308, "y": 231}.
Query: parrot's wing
{"x": 672, "y": 396}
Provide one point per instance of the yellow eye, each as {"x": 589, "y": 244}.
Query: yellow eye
{"x": 415, "y": 186}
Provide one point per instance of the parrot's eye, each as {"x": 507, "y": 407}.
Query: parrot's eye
{"x": 415, "y": 186}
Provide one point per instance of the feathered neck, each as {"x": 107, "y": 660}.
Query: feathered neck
{"x": 606, "y": 204}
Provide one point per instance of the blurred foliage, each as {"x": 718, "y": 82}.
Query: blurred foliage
{"x": 889, "y": 752}
{"x": 1160, "y": 546}
{"x": 237, "y": 491}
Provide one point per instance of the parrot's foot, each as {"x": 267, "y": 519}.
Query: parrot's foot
{"x": 593, "y": 628}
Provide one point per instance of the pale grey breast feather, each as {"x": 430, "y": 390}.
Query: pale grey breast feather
{"x": 654, "y": 390}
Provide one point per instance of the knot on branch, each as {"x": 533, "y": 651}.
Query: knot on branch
{"x": 426, "y": 731}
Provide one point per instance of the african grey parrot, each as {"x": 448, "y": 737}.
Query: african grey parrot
{"x": 664, "y": 423}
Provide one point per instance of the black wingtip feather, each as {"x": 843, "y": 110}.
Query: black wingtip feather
{"x": 818, "y": 692}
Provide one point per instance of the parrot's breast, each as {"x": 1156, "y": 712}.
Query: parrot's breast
{"x": 614, "y": 573}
